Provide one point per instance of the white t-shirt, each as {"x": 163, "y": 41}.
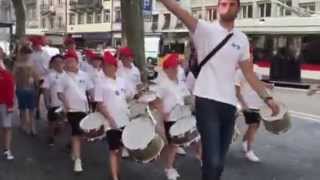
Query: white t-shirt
{"x": 74, "y": 87}
{"x": 94, "y": 73}
{"x": 51, "y": 82}
{"x": 250, "y": 96}
{"x": 51, "y": 51}
{"x": 132, "y": 76}
{"x": 171, "y": 93}
{"x": 113, "y": 95}
{"x": 41, "y": 61}
{"x": 216, "y": 79}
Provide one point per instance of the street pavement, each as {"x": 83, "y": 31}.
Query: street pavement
{"x": 291, "y": 156}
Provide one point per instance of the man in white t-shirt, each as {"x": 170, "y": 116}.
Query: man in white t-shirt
{"x": 127, "y": 70}
{"x": 51, "y": 51}
{"x": 52, "y": 101}
{"x": 171, "y": 92}
{"x": 250, "y": 104}
{"x": 214, "y": 88}
{"x": 72, "y": 90}
{"x": 111, "y": 94}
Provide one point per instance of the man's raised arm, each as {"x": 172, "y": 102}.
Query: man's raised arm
{"x": 181, "y": 13}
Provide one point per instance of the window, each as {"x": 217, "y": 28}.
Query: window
{"x": 211, "y": 14}
{"x": 155, "y": 21}
{"x": 81, "y": 18}
{"x": 43, "y": 23}
{"x": 264, "y": 9}
{"x": 72, "y": 19}
{"x": 98, "y": 17}
{"x": 106, "y": 16}
{"x": 60, "y": 2}
{"x": 196, "y": 12}
{"x": 308, "y": 6}
{"x": 246, "y": 11}
{"x": 89, "y": 18}
{"x": 179, "y": 24}
{"x": 118, "y": 15}
{"x": 166, "y": 24}
{"x": 60, "y": 25}
{"x": 51, "y": 20}
{"x": 50, "y": 2}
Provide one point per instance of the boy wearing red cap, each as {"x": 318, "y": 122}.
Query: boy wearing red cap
{"x": 250, "y": 105}
{"x": 171, "y": 92}
{"x": 51, "y": 96}
{"x": 6, "y": 109}
{"x": 72, "y": 91}
{"x": 127, "y": 69}
{"x": 111, "y": 94}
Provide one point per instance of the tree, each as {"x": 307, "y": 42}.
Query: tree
{"x": 133, "y": 28}
{"x": 19, "y": 9}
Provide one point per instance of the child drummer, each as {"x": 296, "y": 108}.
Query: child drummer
{"x": 111, "y": 94}
{"x": 170, "y": 92}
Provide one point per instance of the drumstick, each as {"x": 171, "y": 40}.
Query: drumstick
{"x": 154, "y": 121}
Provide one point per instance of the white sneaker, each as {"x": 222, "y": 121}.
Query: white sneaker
{"x": 77, "y": 166}
{"x": 245, "y": 146}
{"x": 181, "y": 151}
{"x": 172, "y": 174}
{"x": 8, "y": 155}
{"x": 252, "y": 157}
{"x": 125, "y": 153}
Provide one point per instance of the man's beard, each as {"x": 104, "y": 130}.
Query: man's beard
{"x": 228, "y": 17}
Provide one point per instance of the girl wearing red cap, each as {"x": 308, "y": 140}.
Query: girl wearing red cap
{"x": 171, "y": 92}
{"x": 111, "y": 94}
{"x": 26, "y": 83}
{"x": 72, "y": 91}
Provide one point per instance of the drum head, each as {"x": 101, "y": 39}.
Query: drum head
{"x": 147, "y": 97}
{"x": 180, "y": 112}
{"x": 138, "y": 133}
{"x": 182, "y": 126}
{"x": 266, "y": 113}
{"x": 92, "y": 121}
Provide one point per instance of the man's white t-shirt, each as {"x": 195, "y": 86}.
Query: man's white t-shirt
{"x": 132, "y": 76}
{"x": 51, "y": 83}
{"x": 171, "y": 93}
{"x": 74, "y": 87}
{"x": 51, "y": 51}
{"x": 250, "y": 97}
{"x": 41, "y": 61}
{"x": 112, "y": 93}
{"x": 216, "y": 79}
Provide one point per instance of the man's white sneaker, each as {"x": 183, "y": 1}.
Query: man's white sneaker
{"x": 252, "y": 157}
{"x": 77, "y": 166}
{"x": 181, "y": 151}
{"x": 172, "y": 174}
{"x": 245, "y": 146}
{"x": 8, "y": 155}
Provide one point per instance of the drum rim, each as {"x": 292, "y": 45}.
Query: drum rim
{"x": 189, "y": 119}
{"x": 81, "y": 124}
{"x": 268, "y": 117}
{"x": 125, "y": 136}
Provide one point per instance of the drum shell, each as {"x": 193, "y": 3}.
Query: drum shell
{"x": 150, "y": 152}
{"x": 279, "y": 126}
{"x": 95, "y": 133}
{"x": 185, "y": 138}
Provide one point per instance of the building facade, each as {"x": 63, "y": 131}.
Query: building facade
{"x": 270, "y": 24}
{"x": 7, "y": 20}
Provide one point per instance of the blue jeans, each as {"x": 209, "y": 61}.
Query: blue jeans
{"x": 215, "y": 122}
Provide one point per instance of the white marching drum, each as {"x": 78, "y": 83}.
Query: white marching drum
{"x": 278, "y": 124}
{"x": 141, "y": 140}
{"x": 136, "y": 109}
{"x": 94, "y": 126}
{"x": 179, "y": 112}
{"x": 184, "y": 131}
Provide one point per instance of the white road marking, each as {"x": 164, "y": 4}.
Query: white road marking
{"x": 306, "y": 116}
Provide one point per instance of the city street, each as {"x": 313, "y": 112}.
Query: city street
{"x": 292, "y": 156}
